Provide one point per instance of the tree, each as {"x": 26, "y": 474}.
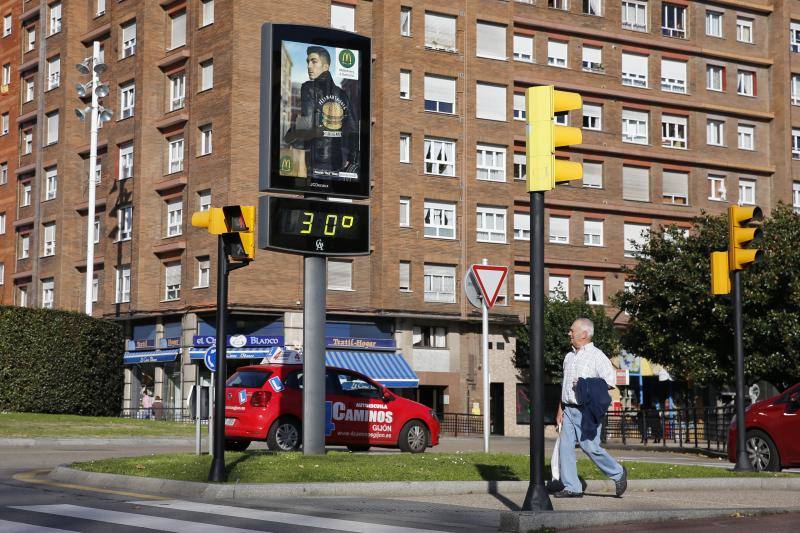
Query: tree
{"x": 676, "y": 322}
{"x": 559, "y": 315}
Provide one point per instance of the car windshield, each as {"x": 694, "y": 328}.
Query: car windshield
{"x": 249, "y": 379}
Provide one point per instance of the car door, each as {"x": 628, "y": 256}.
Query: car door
{"x": 340, "y": 423}
{"x": 789, "y": 428}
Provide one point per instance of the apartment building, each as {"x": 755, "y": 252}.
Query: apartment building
{"x": 688, "y": 106}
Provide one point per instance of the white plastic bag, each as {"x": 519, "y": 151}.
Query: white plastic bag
{"x": 554, "y": 470}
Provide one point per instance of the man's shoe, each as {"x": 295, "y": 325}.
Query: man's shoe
{"x": 622, "y": 483}
{"x": 567, "y": 494}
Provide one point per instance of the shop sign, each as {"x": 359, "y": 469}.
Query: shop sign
{"x": 623, "y": 377}
{"x": 360, "y": 344}
{"x": 240, "y": 341}
{"x": 141, "y": 344}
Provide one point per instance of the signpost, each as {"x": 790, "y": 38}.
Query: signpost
{"x": 489, "y": 280}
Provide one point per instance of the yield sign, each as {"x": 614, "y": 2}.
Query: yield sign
{"x": 490, "y": 279}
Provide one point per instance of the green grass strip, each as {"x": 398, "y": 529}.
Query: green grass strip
{"x": 36, "y": 425}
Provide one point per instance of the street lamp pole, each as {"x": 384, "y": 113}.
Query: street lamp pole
{"x": 92, "y": 184}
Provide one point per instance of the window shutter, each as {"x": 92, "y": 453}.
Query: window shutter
{"x": 405, "y": 83}
{"x": 673, "y": 70}
{"x": 559, "y": 226}
{"x": 343, "y": 17}
{"x": 440, "y": 30}
{"x": 491, "y": 101}
{"x": 675, "y": 184}
{"x": 173, "y": 274}
{"x": 519, "y": 102}
{"x": 179, "y": 30}
{"x": 340, "y": 274}
{"x": 440, "y": 89}
{"x": 129, "y": 32}
{"x": 638, "y": 233}
{"x": 522, "y": 284}
{"x": 636, "y": 183}
{"x": 405, "y": 275}
{"x": 522, "y": 221}
{"x": 491, "y": 40}
{"x": 592, "y": 174}
{"x": 634, "y": 64}
{"x": 592, "y": 54}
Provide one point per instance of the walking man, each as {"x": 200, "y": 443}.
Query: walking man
{"x": 576, "y": 412}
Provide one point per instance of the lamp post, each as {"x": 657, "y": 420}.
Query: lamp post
{"x": 98, "y": 115}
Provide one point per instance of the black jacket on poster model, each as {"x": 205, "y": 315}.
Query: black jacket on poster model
{"x": 592, "y": 395}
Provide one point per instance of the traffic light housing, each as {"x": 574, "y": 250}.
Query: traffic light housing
{"x": 212, "y": 219}
{"x": 720, "y": 276}
{"x": 543, "y": 136}
{"x": 741, "y": 233}
{"x": 239, "y": 236}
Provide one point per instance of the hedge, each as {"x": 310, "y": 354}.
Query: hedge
{"x": 59, "y": 362}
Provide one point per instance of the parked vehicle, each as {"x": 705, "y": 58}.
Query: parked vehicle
{"x": 772, "y": 432}
{"x": 265, "y": 403}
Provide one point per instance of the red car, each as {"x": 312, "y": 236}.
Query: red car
{"x": 265, "y": 402}
{"x": 773, "y": 432}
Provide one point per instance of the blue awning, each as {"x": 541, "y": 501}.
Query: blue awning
{"x": 389, "y": 369}
{"x": 152, "y": 356}
{"x": 236, "y": 353}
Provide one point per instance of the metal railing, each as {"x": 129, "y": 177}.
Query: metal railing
{"x": 171, "y": 414}
{"x": 700, "y": 428}
{"x": 460, "y": 424}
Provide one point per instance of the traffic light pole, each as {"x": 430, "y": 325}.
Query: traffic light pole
{"x": 537, "y": 499}
{"x": 742, "y": 462}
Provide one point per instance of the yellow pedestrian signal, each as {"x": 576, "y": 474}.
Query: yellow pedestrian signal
{"x": 720, "y": 276}
{"x": 543, "y": 136}
{"x": 239, "y": 236}
{"x": 212, "y": 219}
{"x": 741, "y": 234}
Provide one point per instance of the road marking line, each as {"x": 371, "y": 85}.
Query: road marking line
{"x": 19, "y": 527}
{"x": 30, "y": 477}
{"x": 158, "y": 523}
{"x": 284, "y": 518}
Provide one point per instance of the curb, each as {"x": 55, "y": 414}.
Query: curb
{"x": 77, "y": 441}
{"x": 238, "y": 491}
{"x": 527, "y": 521}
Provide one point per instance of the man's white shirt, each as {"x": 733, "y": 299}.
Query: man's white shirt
{"x": 587, "y": 362}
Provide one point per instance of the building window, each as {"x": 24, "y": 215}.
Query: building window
{"x": 673, "y": 76}
{"x": 558, "y": 4}
{"x": 747, "y": 192}
{"x": 794, "y": 37}
{"x": 557, "y": 53}
{"x": 634, "y": 15}
{"x": 675, "y": 187}
{"x": 522, "y": 286}
{"x": 405, "y": 147}
{"x": 2, "y": 273}
{"x": 796, "y": 196}
{"x": 593, "y": 174}
{"x": 207, "y": 14}
{"x": 96, "y": 231}
{"x": 716, "y": 187}
{"x": 795, "y": 143}
{"x": 204, "y": 200}
{"x": 593, "y": 7}
{"x": 203, "y": 272}
{"x": 519, "y": 106}
{"x": 175, "y": 154}
{"x": 22, "y": 296}
{"x": 126, "y": 161}
{"x": 49, "y": 239}
{"x": 674, "y": 131}
{"x": 593, "y": 290}
{"x": 744, "y": 30}
{"x": 7, "y": 25}
{"x": 177, "y": 91}
{"x": 177, "y": 30}
{"x": 715, "y": 132}
{"x": 52, "y": 128}
{"x": 128, "y": 39}
{"x": 405, "y": 21}
{"x": 429, "y": 336}
{"x": 172, "y": 281}
{"x": 713, "y": 23}
{"x": 491, "y": 224}
{"x": 746, "y": 83}
{"x": 404, "y": 276}
{"x": 206, "y": 134}
{"x": 490, "y": 101}
{"x": 53, "y": 72}
{"x": 2, "y": 223}
{"x": 206, "y": 75}
{"x": 30, "y": 38}
{"x": 95, "y": 287}
{"x": 405, "y": 84}
{"x": 6, "y": 74}
{"x": 440, "y": 220}
{"x": 592, "y": 59}
{"x": 795, "y": 89}
{"x": 747, "y": 137}
{"x": 635, "y": 238}
{"x": 673, "y": 21}
{"x": 30, "y": 90}
{"x": 559, "y": 230}
{"x": 25, "y": 201}
{"x": 523, "y": 48}
{"x": 440, "y": 283}
{"x": 24, "y": 246}
{"x": 636, "y": 183}
{"x": 440, "y": 94}
{"x": 440, "y": 31}
{"x": 48, "y": 288}
{"x": 343, "y": 17}
{"x": 405, "y": 212}
{"x": 715, "y": 78}
{"x": 592, "y": 232}
{"x": 4, "y": 124}
{"x": 634, "y": 70}
{"x": 491, "y": 41}
{"x": 522, "y": 226}
{"x": 123, "y": 284}
{"x": 520, "y": 164}
{"x": 127, "y": 99}
{"x": 50, "y": 183}
{"x": 340, "y": 275}
{"x": 27, "y": 142}
{"x": 558, "y": 287}
{"x": 174, "y": 218}
{"x": 491, "y": 163}
{"x": 125, "y": 223}
{"x": 55, "y": 18}
{"x": 592, "y": 117}
{"x": 440, "y": 157}
{"x": 3, "y": 173}
{"x": 635, "y": 126}
{"x": 100, "y": 8}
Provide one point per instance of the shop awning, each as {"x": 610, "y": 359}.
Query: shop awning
{"x": 236, "y": 353}
{"x": 152, "y": 356}
{"x": 387, "y": 368}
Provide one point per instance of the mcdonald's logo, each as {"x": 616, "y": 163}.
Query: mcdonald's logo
{"x": 286, "y": 164}
{"x": 347, "y": 58}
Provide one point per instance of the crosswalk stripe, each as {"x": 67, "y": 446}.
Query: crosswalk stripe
{"x": 158, "y": 523}
{"x": 283, "y": 518}
{"x": 18, "y": 527}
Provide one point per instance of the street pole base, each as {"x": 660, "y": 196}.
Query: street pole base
{"x": 537, "y": 499}
{"x": 743, "y": 463}
{"x": 217, "y": 472}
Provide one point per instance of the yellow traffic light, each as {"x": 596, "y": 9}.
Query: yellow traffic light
{"x": 720, "y": 276}
{"x": 212, "y": 219}
{"x": 543, "y": 136}
{"x": 239, "y": 235}
{"x": 740, "y": 235}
